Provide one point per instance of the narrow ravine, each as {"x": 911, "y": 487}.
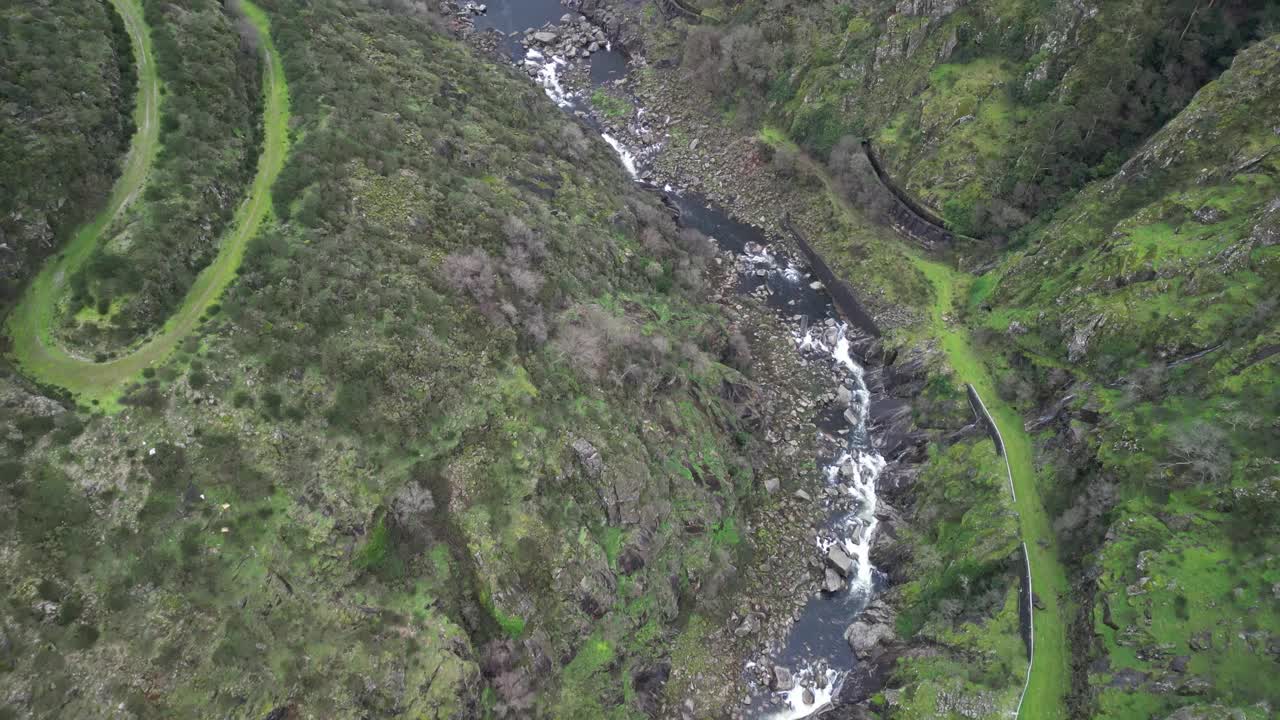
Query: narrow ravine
{"x": 100, "y": 384}
{"x": 804, "y": 676}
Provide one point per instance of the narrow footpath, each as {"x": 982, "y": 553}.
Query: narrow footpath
{"x": 34, "y": 350}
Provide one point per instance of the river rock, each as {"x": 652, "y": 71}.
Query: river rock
{"x": 849, "y": 470}
{"x": 808, "y": 697}
{"x": 844, "y": 396}
{"x": 783, "y": 681}
{"x": 545, "y": 37}
{"x": 772, "y": 485}
{"x": 832, "y": 582}
{"x": 865, "y": 638}
{"x": 840, "y": 560}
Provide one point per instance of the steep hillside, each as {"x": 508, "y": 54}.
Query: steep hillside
{"x": 1131, "y": 327}
{"x": 476, "y": 430}
{"x": 1143, "y": 314}
{"x": 459, "y": 441}
{"x": 987, "y": 110}
{"x": 66, "y": 102}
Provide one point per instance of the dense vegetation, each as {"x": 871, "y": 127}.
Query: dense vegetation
{"x": 990, "y": 111}
{"x": 462, "y": 421}
{"x": 66, "y": 101}
{"x": 210, "y": 138}
{"x": 466, "y": 438}
{"x": 1162, "y": 472}
{"x": 960, "y": 588}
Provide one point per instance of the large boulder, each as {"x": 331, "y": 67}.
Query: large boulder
{"x": 783, "y": 680}
{"x": 865, "y": 638}
{"x": 832, "y": 582}
{"x": 840, "y": 560}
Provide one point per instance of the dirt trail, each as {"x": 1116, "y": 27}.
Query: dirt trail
{"x": 34, "y": 350}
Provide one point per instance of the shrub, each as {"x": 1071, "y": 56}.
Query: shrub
{"x": 737, "y": 353}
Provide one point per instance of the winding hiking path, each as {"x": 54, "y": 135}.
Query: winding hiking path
{"x": 34, "y": 349}
{"x": 1048, "y": 679}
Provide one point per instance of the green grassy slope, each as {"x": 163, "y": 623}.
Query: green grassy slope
{"x": 101, "y": 383}
{"x": 45, "y": 289}
{"x": 1160, "y": 474}
{"x": 1050, "y": 677}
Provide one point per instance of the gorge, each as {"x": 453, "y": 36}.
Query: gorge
{"x": 621, "y": 358}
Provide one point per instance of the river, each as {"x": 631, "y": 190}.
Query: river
{"x": 815, "y": 650}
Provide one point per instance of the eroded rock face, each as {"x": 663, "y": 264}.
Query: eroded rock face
{"x": 597, "y": 587}
{"x": 30, "y": 404}
{"x": 412, "y": 507}
{"x": 588, "y": 457}
{"x": 500, "y": 662}
{"x": 1081, "y": 336}
{"x": 1206, "y": 712}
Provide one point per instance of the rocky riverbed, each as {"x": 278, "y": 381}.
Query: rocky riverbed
{"x": 809, "y": 397}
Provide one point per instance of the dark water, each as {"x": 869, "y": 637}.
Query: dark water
{"x": 607, "y": 66}
{"x": 791, "y": 291}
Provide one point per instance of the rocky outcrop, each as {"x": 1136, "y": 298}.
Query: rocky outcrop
{"x": 575, "y": 36}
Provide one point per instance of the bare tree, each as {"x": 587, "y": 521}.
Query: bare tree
{"x": 1201, "y": 450}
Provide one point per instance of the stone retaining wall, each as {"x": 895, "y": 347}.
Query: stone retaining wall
{"x": 908, "y": 216}
{"x": 842, "y": 294}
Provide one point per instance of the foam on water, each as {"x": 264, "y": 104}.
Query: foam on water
{"x": 854, "y": 474}
{"x": 549, "y": 76}
{"x": 628, "y": 160}
{"x": 796, "y": 707}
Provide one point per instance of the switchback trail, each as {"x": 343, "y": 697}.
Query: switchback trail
{"x": 34, "y": 350}
{"x": 1049, "y": 680}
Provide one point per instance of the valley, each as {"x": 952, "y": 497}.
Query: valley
{"x": 622, "y": 358}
